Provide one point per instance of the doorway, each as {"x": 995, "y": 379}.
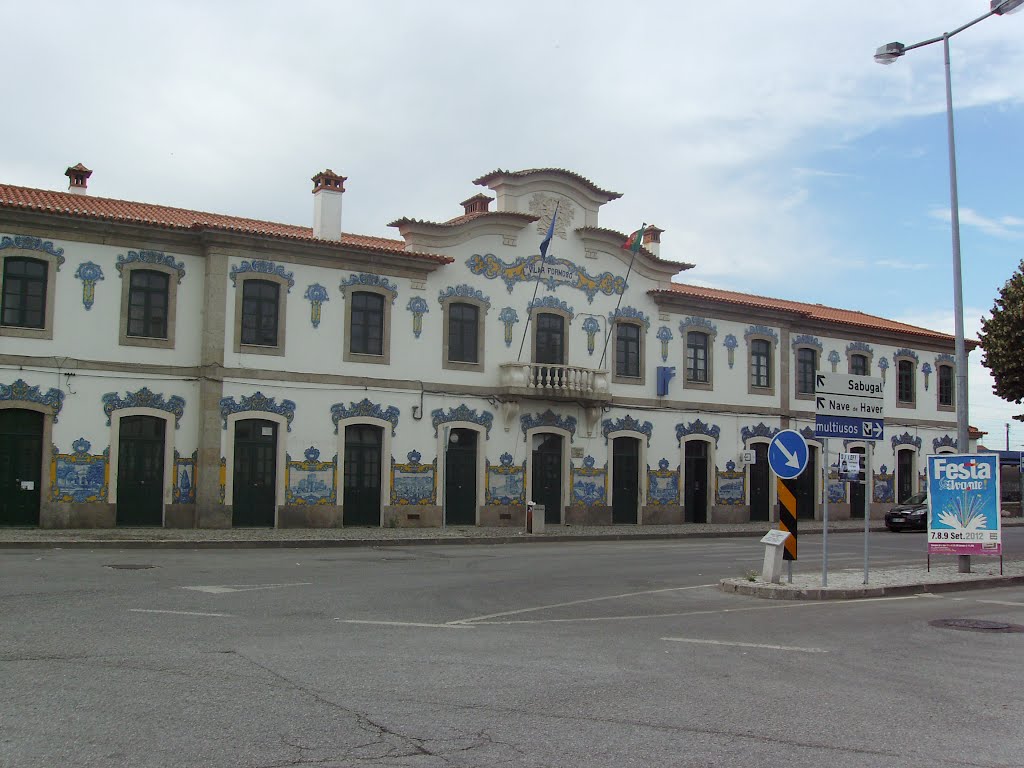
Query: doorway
{"x": 760, "y": 477}
{"x": 857, "y": 495}
{"x": 140, "y": 471}
{"x": 904, "y": 475}
{"x": 21, "y": 466}
{"x": 806, "y": 487}
{"x": 460, "y": 477}
{"x": 695, "y": 491}
{"x": 625, "y": 480}
{"x": 363, "y": 461}
{"x": 254, "y": 491}
{"x": 546, "y": 477}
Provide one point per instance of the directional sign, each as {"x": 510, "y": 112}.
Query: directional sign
{"x": 787, "y": 454}
{"x": 848, "y": 406}
{"x": 849, "y": 428}
{"x": 845, "y": 405}
{"x": 865, "y": 387}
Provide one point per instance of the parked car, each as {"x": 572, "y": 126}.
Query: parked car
{"x": 911, "y": 515}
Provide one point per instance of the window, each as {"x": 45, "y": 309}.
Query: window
{"x": 905, "y": 370}
{"x": 366, "y": 327}
{"x": 859, "y": 365}
{"x": 760, "y": 364}
{"x": 259, "y": 312}
{"x": 147, "y": 304}
{"x": 806, "y": 367}
{"x": 627, "y": 351}
{"x": 24, "y": 295}
{"x": 149, "y": 295}
{"x": 946, "y": 386}
{"x": 463, "y": 345}
{"x": 697, "y": 357}
{"x": 463, "y": 333}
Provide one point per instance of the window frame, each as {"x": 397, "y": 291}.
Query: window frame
{"x": 566, "y": 322}
{"x": 154, "y": 342}
{"x": 446, "y": 318}
{"x": 278, "y": 349}
{"x": 52, "y": 264}
{"x": 689, "y": 383}
{"x": 898, "y": 365}
{"x": 770, "y": 388}
{"x": 620, "y": 378}
{"x": 797, "y": 392}
{"x": 386, "y": 296}
{"x": 951, "y": 405}
{"x": 858, "y": 354}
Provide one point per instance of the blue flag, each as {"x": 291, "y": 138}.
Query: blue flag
{"x": 547, "y": 238}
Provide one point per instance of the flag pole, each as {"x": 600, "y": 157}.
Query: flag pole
{"x": 635, "y": 249}
{"x": 543, "y": 258}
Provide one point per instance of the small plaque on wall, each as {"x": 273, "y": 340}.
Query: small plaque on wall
{"x": 577, "y": 452}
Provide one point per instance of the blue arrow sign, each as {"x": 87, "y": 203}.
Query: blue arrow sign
{"x": 850, "y": 427}
{"x": 787, "y": 454}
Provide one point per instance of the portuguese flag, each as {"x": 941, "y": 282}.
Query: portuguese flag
{"x": 635, "y": 241}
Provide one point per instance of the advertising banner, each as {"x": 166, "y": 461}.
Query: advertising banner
{"x": 963, "y": 505}
{"x": 850, "y": 469}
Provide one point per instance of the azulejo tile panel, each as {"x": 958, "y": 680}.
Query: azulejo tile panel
{"x": 761, "y": 430}
{"x": 589, "y": 484}
{"x": 548, "y": 419}
{"x": 505, "y": 482}
{"x": 144, "y": 398}
{"x": 256, "y": 402}
{"x": 261, "y": 267}
{"x": 365, "y": 409}
{"x": 311, "y": 481}
{"x": 413, "y": 483}
{"x": 158, "y": 258}
{"x": 89, "y": 273}
{"x": 663, "y": 485}
{"x": 27, "y": 243}
{"x": 464, "y": 292}
{"x": 462, "y": 413}
{"x": 698, "y": 427}
{"x": 418, "y": 306}
{"x": 184, "y": 490}
{"x": 21, "y": 391}
{"x": 316, "y": 295}
{"x": 80, "y": 476}
{"x": 884, "y": 490}
{"x": 551, "y": 271}
{"x": 730, "y": 487}
{"x": 626, "y": 424}
{"x": 367, "y": 280}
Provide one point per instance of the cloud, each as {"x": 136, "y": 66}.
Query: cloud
{"x": 1008, "y": 227}
{"x": 903, "y": 265}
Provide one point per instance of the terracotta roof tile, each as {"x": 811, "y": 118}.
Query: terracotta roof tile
{"x": 109, "y": 209}
{"x": 526, "y": 217}
{"x": 811, "y": 311}
{"x": 483, "y": 180}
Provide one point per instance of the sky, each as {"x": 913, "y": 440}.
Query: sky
{"x": 762, "y": 137}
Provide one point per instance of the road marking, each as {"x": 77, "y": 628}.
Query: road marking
{"x": 1002, "y": 602}
{"x": 578, "y": 602}
{"x": 221, "y": 589}
{"x": 745, "y": 645}
{"x": 176, "y": 613}
{"x": 405, "y": 624}
{"x": 710, "y": 612}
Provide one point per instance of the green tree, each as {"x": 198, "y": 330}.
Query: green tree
{"x": 1002, "y": 339}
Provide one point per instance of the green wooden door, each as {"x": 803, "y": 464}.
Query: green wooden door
{"x": 140, "y": 471}
{"x": 460, "y": 478}
{"x": 254, "y": 490}
{"x": 362, "y": 475}
{"x": 21, "y": 466}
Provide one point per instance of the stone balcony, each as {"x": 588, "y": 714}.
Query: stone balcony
{"x": 554, "y": 382}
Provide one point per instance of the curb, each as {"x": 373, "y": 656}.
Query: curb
{"x": 784, "y": 592}
{"x": 398, "y": 542}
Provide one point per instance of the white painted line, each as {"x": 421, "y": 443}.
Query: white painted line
{"x": 176, "y": 613}
{"x": 1002, "y": 602}
{"x": 404, "y": 624}
{"x": 221, "y": 589}
{"x": 578, "y": 602}
{"x": 745, "y": 645}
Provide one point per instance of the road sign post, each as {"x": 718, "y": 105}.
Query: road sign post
{"x": 787, "y": 457}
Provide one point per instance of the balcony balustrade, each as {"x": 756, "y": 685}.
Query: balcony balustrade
{"x": 554, "y": 382}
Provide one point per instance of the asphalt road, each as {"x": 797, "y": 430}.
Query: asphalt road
{"x": 580, "y": 654}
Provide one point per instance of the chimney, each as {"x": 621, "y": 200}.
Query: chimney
{"x": 327, "y": 190}
{"x": 78, "y": 179}
{"x": 476, "y": 204}
{"x": 652, "y": 239}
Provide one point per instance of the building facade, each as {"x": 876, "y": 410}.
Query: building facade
{"x": 161, "y": 366}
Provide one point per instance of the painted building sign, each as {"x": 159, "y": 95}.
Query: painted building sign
{"x": 963, "y": 505}
{"x": 551, "y": 272}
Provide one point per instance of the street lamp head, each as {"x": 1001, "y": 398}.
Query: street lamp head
{"x": 1005, "y": 7}
{"x": 889, "y": 52}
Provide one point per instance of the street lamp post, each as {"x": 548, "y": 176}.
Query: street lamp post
{"x": 887, "y": 54}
